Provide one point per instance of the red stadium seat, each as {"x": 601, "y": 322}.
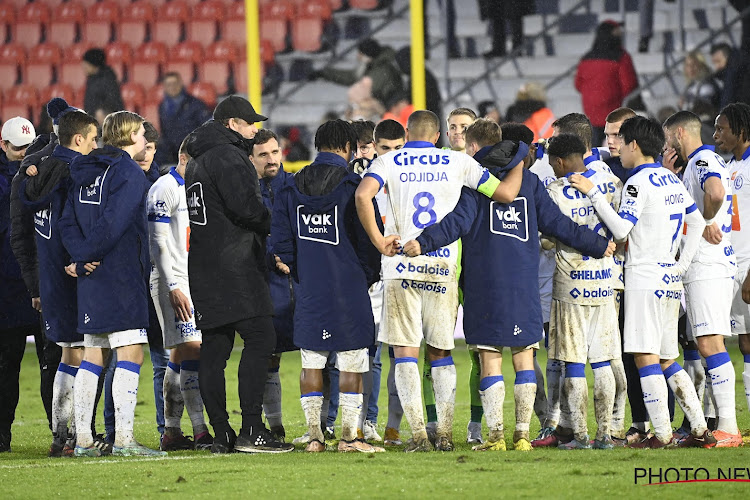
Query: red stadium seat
{"x": 240, "y": 76}
{"x": 86, "y": 3}
{"x": 31, "y": 21}
{"x": 307, "y": 33}
{"x": 267, "y": 54}
{"x": 283, "y": 9}
{"x": 133, "y": 96}
{"x": 12, "y": 56}
{"x": 70, "y": 70}
{"x": 203, "y": 26}
{"x": 7, "y": 19}
{"x": 155, "y": 94}
{"x": 335, "y": 4}
{"x": 147, "y": 63}
{"x": 183, "y": 58}
{"x": 364, "y": 4}
{"x": 168, "y": 24}
{"x": 134, "y": 29}
{"x": 275, "y": 30}
{"x": 65, "y": 24}
{"x": 205, "y": 92}
{"x": 150, "y": 108}
{"x": 21, "y": 100}
{"x": 119, "y": 58}
{"x": 314, "y": 8}
{"x": 42, "y": 64}
{"x": 57, "y": 90}
{"x": 100, "y": 20}
{"x": 233, "y": 28}
{"x": 215, "y": 69}
{"x": 50, "y": 3}
{"x": 17, "y": 4}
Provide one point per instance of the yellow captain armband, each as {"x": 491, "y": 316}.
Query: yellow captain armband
{"x": 489, "y": 186}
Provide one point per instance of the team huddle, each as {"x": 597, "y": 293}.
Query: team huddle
{"x": 593, "y": 253}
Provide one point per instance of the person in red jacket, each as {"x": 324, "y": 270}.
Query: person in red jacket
{"x": 605, "y": 76}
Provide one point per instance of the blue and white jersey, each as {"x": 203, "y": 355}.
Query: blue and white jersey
{"x": 656, "y": 202}
{"x": 740, "y": 177}
{"x": 169, "y": 228}
{"x": 424, "y": 184}
{"x": 542, "y": 169}
{"x": 710, "y": 261}
{"x": 580, "y": 279}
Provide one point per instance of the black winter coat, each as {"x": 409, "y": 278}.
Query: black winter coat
{"x": 228, "y": 228}
{"x": 102, "y": 92}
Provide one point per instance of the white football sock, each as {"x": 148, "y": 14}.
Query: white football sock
{"x": 621, "y": 398}
{"x": 84, "y": 400}
{"x": 655, "y": 398}
{"x": 604, "y": 397}
{"x": 540, "y": 399}
{"x": 684, "y": 394}
{"x": 492, "y": 394}
{"x": 173, "y": 402}
{"x": 721, "y": 370}
{"x": 554, "y": 375}
{"x": 62, "y": 399}
{"x": 312, "y": 403}
{"x": 524, "y": 392}
{"x": 366, "y": 392}
{"x": 577, "y": 396}
{"x": 272, "y": 399}
{"x": 746, "y": 378}
{"x": 408, "y": 382}
{"x": 191, "y": 395}
{"x": 395, "y": 412}
{"x": 694, "y": 368}
{"x": 125, "y": 397}
{"x": 444, "y": 385}
{"x": 351, "y": 406}
{"x": 709, "y": 403}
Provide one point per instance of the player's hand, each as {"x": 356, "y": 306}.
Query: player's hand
{"x": 712, "y": 234}
{"x": 70, "y": 269}
{"x": 413, "y": 248}
{"x": 36, "y": 303}
{"x": 746, "y": 290}
{"x": 611, "y": 247}
{"x": 90, "y": 267}
{"x": 669, "y": 161}
{"x": 281, "y": 266}
{"x": 389, "y": 245}
{"x": 581, "y": 183}
{"x": 31, "y": 171}
{"x": 181, "y": 305}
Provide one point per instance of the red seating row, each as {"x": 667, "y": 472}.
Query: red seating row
{"x": 137, "y": 22}
{"x": 334, "y": 4}
{"x": 45, "y": 63}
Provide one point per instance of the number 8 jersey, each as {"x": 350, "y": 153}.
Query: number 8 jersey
{"x": 424, "y": 184}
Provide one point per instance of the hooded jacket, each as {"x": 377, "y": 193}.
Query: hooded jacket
{"x": 15, "y": 301}
{"x": 283, "y": 287}
{"x": 189, "y": 113}
{"x": 229, "y": 225}
{"x": 102, "y": 92}
{"x": 105, "y": 220}
{"x": 500, "y": 258}
{"x": 316, "y": 231}
{"x": 44, "y": 196}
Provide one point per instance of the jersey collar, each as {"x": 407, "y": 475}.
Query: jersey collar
{"x": 704, "y": 147}
{"x": 595, "y": 155}
{"x": 645, "y": 165}
{"x": 327, "y": 158}
{"x": 419, "y": 144}
{"x": 745, "y": 155}
{"x": 174, "y": 173}
{"x": 587, "y": 173}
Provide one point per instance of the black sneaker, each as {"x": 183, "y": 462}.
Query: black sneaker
{"x": 57, "y": 446}
{"x": 102, "y": 444}
{"x": 278, "y": 433}
{"x": 224, "y": 441}
{"x": 261, "y": 442}
{"x": 203, "y": 441}
{"x": 4, "y": 442}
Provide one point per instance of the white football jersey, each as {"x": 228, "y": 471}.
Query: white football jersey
{"x": 740, "y": 177}
{"x": 596, "y": 165}
{"x": 580, "y": 279}
{"x": 167, "y": 205}
{"x": 542, "y": 169}
{"x": 655, "y": 201}
{"x": 424, "y": 184}
{"x": 710, "y": 261}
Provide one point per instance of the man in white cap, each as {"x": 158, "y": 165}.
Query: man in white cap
{"x": 17, "y": 317}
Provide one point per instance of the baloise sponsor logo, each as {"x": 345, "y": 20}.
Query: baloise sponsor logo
{"x": 421, "y": 285}
{"x": 671, "y": 278}
{"x": 669, "y": 294}
{"x": 595, "y": 293}
{"x": 423, "y": 269}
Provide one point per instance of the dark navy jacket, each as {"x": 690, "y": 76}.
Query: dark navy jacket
{"x": 105, "y": 220}
{"x": 45, "y": 195}
{"x": 500, "y": 252}
{"x": 315, "y": 229}
{"x": 283, "y": 287}
{"x": 15, "y": 301}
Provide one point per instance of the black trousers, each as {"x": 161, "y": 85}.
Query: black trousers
{"x": 260, "y": 340}
{"x": 12, "y": 346}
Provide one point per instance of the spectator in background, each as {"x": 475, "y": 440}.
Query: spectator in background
{"x": 605, "y": 76}
{"x": 293, "y": 146}
{"x": 500, "y": 11}
{"x": 489, "y": 110}
{"x": 531, "y": 109}
{"x": 701, "y": 85}
{"x": 398, "y": 108}
{"x": 740, "y": 5}
{"x": 179, "y": 114}
{"x": 102, "y": 95}
{"x": 731, "y": 69}
{"x": 434, "y": 101}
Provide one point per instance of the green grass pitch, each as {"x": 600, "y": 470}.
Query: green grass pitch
{"x": 26, "y": 472}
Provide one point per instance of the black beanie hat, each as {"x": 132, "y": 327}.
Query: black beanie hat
{"x": 369, "y": 47}
{"x": 95, "y": 57}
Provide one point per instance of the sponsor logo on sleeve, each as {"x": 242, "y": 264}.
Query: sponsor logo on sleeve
{"x": 196, "y": 205}
{"x": 319, "y": 227}
{"x": 510, "y": 220}
{"x": 632, "y": 190}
